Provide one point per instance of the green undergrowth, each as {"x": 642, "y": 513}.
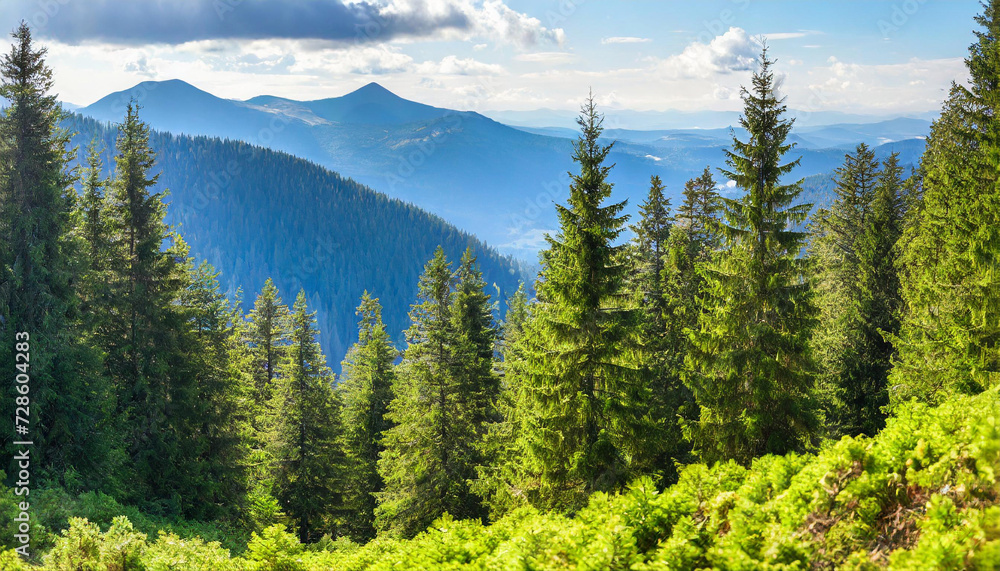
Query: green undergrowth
{"x": 920, "y": 495}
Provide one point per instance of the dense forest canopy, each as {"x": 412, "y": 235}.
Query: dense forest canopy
{"x": 256, "y": 214}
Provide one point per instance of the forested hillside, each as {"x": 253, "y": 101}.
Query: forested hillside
{"x": 487, "y": 178}
{"x": 256, "y": 214}
{"x": 733, "y": 381}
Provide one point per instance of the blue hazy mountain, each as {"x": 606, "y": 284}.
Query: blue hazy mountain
{"x": 486, "y": 177}
{"x": 254, "y": 214}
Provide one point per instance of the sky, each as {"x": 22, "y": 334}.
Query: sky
{"x": 856, "y": 56}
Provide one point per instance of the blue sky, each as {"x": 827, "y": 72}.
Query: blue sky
{"x": 871, "y": 56}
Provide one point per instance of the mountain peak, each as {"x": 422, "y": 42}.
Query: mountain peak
{"x": 372, "y": 89}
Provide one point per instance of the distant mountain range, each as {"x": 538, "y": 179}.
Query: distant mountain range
{"x": 488, "y": 178}
{"x": 254, "y": 214}
{"x": 647, "y": 120}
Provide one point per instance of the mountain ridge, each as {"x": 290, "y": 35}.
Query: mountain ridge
{"x": 495, "y": 180}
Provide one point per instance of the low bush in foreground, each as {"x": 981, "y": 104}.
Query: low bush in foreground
{"x": 921, "y": 495}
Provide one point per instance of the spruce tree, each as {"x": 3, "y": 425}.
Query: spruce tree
{"x": 499, "y": 477}
{"x": 214, "y": 411}
{"x": 91, "y": 205}
{"x": 753, "y": 381}
{"x": 693, "y": 240}
{"x": 442, "y": 398}
{"x": 879, "y": 302}
{"x": 307, "y": 454}
{"x": 950, "y": 330}
{"x": 652, "y": 234}
{"x": 141, "y": 326}
{"x": 658, "y": 337}
{"x": 473, "y": 354}
{"x": 834, "y": 250}
{"x": 264, "y": 339}
{"x": 365, "y": 390}
{"x": 584, "y": 394}
{"x": 38, "y": 277}
{"x": 268, "y": 337}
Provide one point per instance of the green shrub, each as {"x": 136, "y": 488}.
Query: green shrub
{"x": 922, "y": 494}
{"x": 274, "y": 549}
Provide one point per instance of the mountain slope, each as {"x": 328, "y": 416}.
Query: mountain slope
{"x": 255, "y": 213}
{"x": 485, "y": 177}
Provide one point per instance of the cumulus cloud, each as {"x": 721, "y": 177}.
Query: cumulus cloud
{"x": 365, "y": 21}
{"x": 913, "y": 83}
{"x": 139, "y": 66}
{"x": 546, "y": 57}
{"x": 732, "y": 51}
{"x": 374, "y": 60}
{"x": 453, "y": 65}
{"x": 625, "y": 40}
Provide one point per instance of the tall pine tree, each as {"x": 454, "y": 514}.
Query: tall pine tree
{"x": 308, "y": 458}
{"x": 38, "y": 276}
{"x": 834, "y": 251}
{"x": 879, "y": 302}
{"x": 442, "y": 399}
{"x": 142, "y": 328}
{"x": 499, "y": 481}
{"x": 366, "y": 390}
{"x": 268, "y": 337}
{"x": 585, "y": 395}
{"x": 950, "y": 330}
{"x": 657, "y": 336}
{"x": 754, "y": 383}
{"x": 215, "y": 409}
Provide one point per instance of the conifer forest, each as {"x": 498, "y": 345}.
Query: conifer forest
{"x": 722, "y": 378}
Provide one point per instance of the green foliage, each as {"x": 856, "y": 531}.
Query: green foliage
{"x": 274, "y": 549}
{"x": 951, "y": 327}
{"x": 922, "y": 494}
{"x": 307, "y": 457}
{"x": 499, "y": 477}
{"x": 443, "y": 396}
{"x": 82, "y": 547}
{"x": 752, "y": 368}
{"x": 40, "y": 263}
{"x": 659, "y": 333}
{"x": 172, "y": 553}
{"x": 11, "y": 561}
{"x": 366, "y": 391}
{"x": 854, "y": 253}
{"x": 583, "y": 390}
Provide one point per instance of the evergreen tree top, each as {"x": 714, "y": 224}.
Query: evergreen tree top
{"x": 756, "y": 166}
{"x": 25, "y": 75}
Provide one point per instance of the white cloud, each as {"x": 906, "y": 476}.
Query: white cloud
{"x": 453, "y": 65}
{"x": 785, "y": 35}
{"x": 917, "y": 84}
{"x": 732, "y": 51}
{"x": 625, "y": 40}
{"x": 367, "y": 59}
{"x": 140, "y": 66}
{"x": 723, "y": 93}
{"x": 496, "y": 21}
{"x": 546, "y": 57}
